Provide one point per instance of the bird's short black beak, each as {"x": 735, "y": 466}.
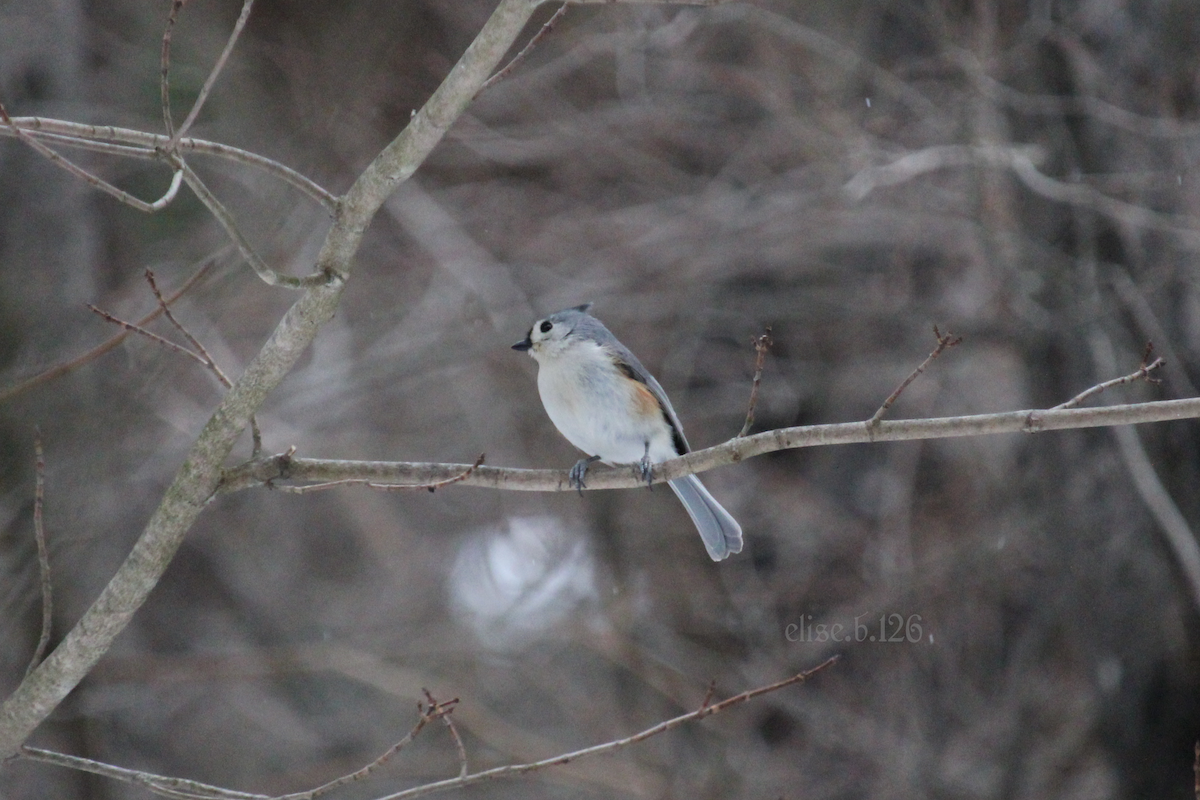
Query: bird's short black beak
{"x": 523, "y": 345}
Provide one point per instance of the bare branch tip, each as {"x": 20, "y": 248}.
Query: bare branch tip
{"x": 762, "y": 344}
{"x": 943, "y": 343}
{"x": 524, "y": 52}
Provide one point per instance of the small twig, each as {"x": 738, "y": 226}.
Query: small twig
{"x": 513, "y": 770}
{"x": 158, "y": 784}
{"x": 458, "y": 745}
{"x": 433, "y": 712}
{"x": 202, "y": 356}
{"x": 167, "y": 343}
{"x": 39, "y": 535}
{"x": 708, "y": 696}
{"x": 192, "y": 340}
{"x": 63, "y": 368}
{"x": 761, "y": 345}
{"x": 1142, "y": 373}
{"x": 448, "y": 718}
{"x": 387, "y": 487}
{"x": 150, "y": 146}
{"x": 454, "y": 732}
{"x": 943, "y": 343}
{"x": 212, "y": 76}
{"x": 255, "y": 433}
{"x": 519, "y": 57}
{"x": 84, "y": 175}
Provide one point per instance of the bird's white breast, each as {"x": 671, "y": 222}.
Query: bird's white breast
{"x": 597, "y": 408}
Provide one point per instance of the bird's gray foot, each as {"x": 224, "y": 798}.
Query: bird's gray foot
{"x": 647, "y": 470}
{"x": 578, "y": 472}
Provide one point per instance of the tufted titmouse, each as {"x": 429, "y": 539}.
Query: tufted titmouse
{"x": 604, "y": 402}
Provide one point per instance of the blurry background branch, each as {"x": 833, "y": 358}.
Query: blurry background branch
{"x": 1023, "y": 161}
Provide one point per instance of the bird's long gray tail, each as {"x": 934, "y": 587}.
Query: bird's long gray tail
{"x": 720, "y": 531}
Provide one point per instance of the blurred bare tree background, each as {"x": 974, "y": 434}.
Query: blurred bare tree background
{"x": 685, "y": 170}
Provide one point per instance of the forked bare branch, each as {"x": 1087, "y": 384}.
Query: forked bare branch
{"x": 226, "y": 220}
{"x": 150, "y": 146}
{"x": 212, "y": 77}
{"x": 943, "y": 344}
{"x": 434, "y": 711}
{"x": 92, "y": 180}
{"x": 206, "y": 358}
{"x": 514, "y": 770}
{"x": 1141, "y": 374}
{"x": 58, "y": 370}
{"x": 181, "y": 789}
{"x": 542, "y": 33}
{"x": 151, "y": 335}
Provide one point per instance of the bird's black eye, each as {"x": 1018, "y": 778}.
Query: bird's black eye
{"x": 546, "y": 326}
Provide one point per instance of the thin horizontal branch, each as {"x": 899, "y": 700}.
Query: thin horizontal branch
{"x": 108, "y": 148}
{"x": 513, "y": 770}
{"x": 288, "y": 467}
{"x": 158, "y": 784}
{"x": 70, "y": 166}
{"x": 166, "y": 786}
{"x": 390, "y": 487}
{"x": 139, "y": 144}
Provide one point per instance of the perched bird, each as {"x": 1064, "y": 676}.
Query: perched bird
{"x": 604, "y": 402}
